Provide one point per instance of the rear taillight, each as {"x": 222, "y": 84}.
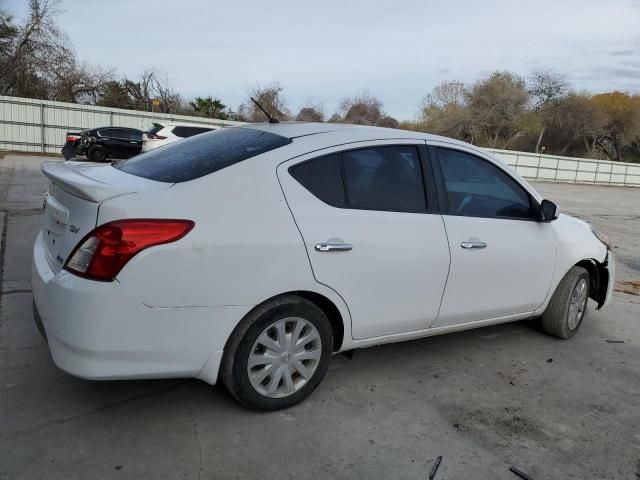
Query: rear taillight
{"x": 155, "y": 136}
{"x": 72, "y": 138}
{"x": 103, "y": 252}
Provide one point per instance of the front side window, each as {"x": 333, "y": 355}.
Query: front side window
{"x": 380, "y": 178}
{"x": 201, "y": 155}
{"x": 476, "y": 188}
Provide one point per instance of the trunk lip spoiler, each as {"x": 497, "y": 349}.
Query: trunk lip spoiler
{"x": 70, "y": 178}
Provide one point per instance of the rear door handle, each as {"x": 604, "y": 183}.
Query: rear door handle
{"x": 469, "y": 245}
{"x": 333, "y": 247}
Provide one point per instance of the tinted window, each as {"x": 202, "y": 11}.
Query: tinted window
{"x": 114, "y": 133}
{"x": 477, "y": 188}
{"x": 384, "y": 178}
{"x": 186, "y": 132}
{"x": 132, "y": 134}
{"x": 155, "y": 128}
{"x": 202, "y": 154}
{"x": 322, "y": 177}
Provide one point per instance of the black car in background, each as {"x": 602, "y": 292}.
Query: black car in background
{"x": 104, "y": 143}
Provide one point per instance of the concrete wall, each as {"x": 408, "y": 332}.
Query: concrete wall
{"x": 569, "y": 169}
{"x": 29, "y": 125}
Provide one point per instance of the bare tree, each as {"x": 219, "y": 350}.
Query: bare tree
{"x": 38, "y": 61}
{"x": 311, "y": 112}
{"x": 362, "y": 109}
{"x": 547, "y": 89}
{"x": 446, "y": 111}
{"x": 497, "y": 105}
{"x": 388, "y": 122}
{"x": 270, "y": 97}
{"x": 153, "y": 85}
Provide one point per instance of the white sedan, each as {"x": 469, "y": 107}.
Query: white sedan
{"x": 252, "y": 254}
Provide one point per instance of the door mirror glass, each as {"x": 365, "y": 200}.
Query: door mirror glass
{"x": 548, "y": 211}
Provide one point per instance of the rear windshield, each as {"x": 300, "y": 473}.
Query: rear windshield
{"x": 201, "y": 155}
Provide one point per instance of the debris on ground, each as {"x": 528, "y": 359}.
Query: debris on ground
{"x": 520, "y": 473}
{"x": 435, "y": 467}
{"x": 632, "y": 287}
{"x": 549, "y": 360}
{"x": 614, "y": 341}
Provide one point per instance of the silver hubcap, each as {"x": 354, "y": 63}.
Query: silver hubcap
{"x": 284, "y": 357}
{"x": 577, "y": 304}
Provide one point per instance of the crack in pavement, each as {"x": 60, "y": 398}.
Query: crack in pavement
{"x": 17, "y": 434}
{"x": 17, "y": 290}
{"x": 197, "y": 437}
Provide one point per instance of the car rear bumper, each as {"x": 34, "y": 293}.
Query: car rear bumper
{"x": 97, "y": 330}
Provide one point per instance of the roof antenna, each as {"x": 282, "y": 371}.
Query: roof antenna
{"x": 271, "y": 119}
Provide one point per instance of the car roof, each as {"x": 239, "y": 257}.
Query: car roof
{"x": 294, "y": 130}
{"x": 302, "y": 129}
{"x": 181, "y": 124}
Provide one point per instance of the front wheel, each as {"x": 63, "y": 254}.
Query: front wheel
{"x": 278, "y": 354}
{"x": 568, "y": 306}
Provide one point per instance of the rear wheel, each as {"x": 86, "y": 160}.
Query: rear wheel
{"x": 568, "y": 306}
{"x": 97, "y": 153}
{"x": 278, "y": 354}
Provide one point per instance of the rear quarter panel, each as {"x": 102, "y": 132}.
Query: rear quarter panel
{"x": 244, "y": 249}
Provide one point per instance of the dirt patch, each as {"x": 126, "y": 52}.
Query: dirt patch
{"x": 631, "y": 287}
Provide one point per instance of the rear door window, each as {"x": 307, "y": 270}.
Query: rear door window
{"x": 381, "y": 178}
{"x": 385, "y": 178}
{"x": 201, "y": 155}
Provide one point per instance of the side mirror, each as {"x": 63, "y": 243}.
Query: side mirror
{"x": 548, "y": 211}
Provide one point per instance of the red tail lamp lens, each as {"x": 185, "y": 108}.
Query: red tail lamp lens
{"x": 103, "y": 252}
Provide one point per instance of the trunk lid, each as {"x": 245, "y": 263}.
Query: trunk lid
{"x": 76, "y": 191}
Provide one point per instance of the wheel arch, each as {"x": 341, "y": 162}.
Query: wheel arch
{"x": 328, "y": 307}
{"x": 598, "y": 279}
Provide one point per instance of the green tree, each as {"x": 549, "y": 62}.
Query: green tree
{"x": 209, "y": 107}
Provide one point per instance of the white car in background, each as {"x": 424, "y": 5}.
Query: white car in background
{"x": 254, "y": 253}
{"x": 164, "y": 134}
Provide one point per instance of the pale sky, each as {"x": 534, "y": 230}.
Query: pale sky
{"x": 326, "y": 50}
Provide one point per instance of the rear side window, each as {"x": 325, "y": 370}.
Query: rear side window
{"x": 381, "y": 178}
{"x": 201, "y": 155}
{"x": 385, "y": 178}
{"x": 476, "y": 188}
{"x": 186, "y": 132}
{"x": 322, "y": 177}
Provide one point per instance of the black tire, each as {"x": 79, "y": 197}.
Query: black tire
{"x": 555, "y": 319}
{"x": 234, "y": 372}
{"x": 96, "y": 153}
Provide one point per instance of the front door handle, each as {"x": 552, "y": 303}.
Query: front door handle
{"x": 333, "y": 247}
{"x": 474, "y": 244}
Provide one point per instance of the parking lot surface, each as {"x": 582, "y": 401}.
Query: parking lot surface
{"x": 484, "y": 399}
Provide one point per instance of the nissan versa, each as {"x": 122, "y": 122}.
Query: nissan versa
{"x": 252, "y": 254}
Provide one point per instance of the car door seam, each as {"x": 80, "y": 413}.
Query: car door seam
{"x": 306, "y": 251}
{"x": 444, "y": 289}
